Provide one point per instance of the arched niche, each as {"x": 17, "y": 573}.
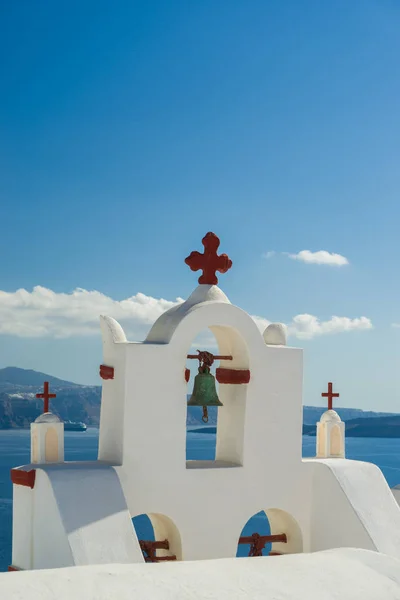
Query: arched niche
{"x": 335, "y": 441}
{"x": 200, "y": 435}
{"x": 283, "y": 522}
{"x": 231, "y": 416}
{"x": 258, "y": 523}
{"x": 143, "y": 527}
{"x": 158, "y": 527}
{"x": 51, "y": 445}
{"x": 274, "y": 522}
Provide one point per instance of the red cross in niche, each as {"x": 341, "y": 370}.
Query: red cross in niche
{"x": 209, "y": 262}
{"x": 330, "y": 395}
{"x": 46, "y": 396}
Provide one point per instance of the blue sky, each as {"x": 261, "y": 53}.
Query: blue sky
{"x": 130, "y": 129}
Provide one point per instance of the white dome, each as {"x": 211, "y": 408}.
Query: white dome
{"x": 330, "y": 416}
{"x": 47, "y": 418}
{"x": 275, "y": 334}
{"x": 206, "y": 293}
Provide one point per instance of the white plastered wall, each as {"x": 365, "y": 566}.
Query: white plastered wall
{"x": 39, "y": 538}
{"x": 352, "y": 506}
{"x": 22, "y": 527}
{"x": 113, "y": 393}
{"x": 77, "y": 515}
{"x": 50, "y": 547}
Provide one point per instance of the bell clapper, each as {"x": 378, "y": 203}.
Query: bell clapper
{"x": 206, "y": 360}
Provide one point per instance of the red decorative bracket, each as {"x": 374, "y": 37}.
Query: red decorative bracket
{"x": 149, "y": 549}
{"x": 11, "y": 569}
{"x": 257, "y": 542}
{"x": 20, "y": 477}
{"x": 187, "y": 375}
{"x": 106, "y": 372}
{"x": 234, "y": 376}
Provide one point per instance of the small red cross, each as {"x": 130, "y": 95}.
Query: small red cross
{"x": 330, "y": 395}
{"x": 46, "y": 396}
{"x": 210, "y": 261}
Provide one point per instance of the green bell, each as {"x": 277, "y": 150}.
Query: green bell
{"x": 204, "y": 392}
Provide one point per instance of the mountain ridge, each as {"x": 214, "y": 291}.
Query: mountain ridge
{"x": 29, "y": 377}
{"x": 19, "y": 405}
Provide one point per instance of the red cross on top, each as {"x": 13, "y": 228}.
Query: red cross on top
{"x": 210, "y": 261}
{"x": 46, "y": 396}
{"x": 330, "y": 395}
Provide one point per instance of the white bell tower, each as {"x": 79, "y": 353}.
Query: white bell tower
{"x": 330, "y": 430}
{"x": 47, "y": 434}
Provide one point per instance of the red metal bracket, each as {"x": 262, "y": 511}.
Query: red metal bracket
{"x": 20, "y": 477}
{"x": 106, "y": 372}
{"x": 234, "y": 376}
{"x": 257, "y": 542}
{"x": 11, "y": 569}
{"x": 214, "y": 356}
{"x": 149, "y": 548}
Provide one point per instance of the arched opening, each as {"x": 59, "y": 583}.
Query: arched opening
{"x": 259, "y": 524}
{"x": 270, "y": 532}
{"x": 219, "y": 443}
{"x": 51, "y": 445}
{"x": 158, "y": 536}
{"x": 336, "y": 441}
{"x": 201, "y": 435}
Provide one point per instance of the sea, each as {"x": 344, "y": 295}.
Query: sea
{"x": 15, "y": 451}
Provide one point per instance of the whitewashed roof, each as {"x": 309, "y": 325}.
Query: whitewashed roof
{"x": 345, "y": 573}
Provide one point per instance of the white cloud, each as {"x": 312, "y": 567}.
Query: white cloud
{"x": 396, "y": 325}
{"x": 308, "y": 326}
{"x": 322, "y": 257}
{"x": 44, "y": 313}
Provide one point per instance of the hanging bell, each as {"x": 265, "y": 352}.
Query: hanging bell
{"x": 204, "y": 393}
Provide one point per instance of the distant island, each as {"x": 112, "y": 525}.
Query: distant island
{"x": 19, "y": 405}
{"x": 81, "y": 403}
{"x": 372, "y": 427}
{"x": 375, "y": 427}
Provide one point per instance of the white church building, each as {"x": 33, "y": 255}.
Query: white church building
{"x": 69, "y": 514}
